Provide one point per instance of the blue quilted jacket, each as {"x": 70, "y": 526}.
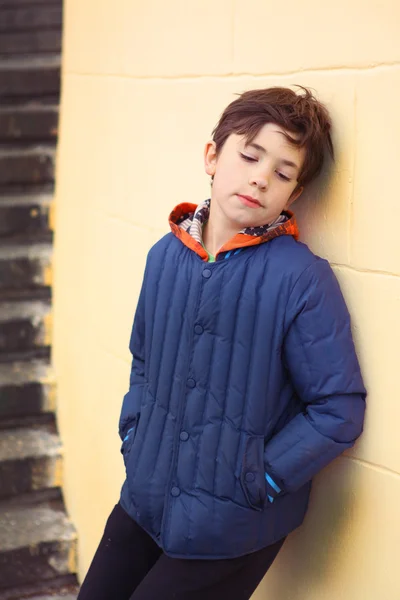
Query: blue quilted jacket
{"x": 241, "y": 367}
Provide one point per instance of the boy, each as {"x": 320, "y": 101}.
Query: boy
{"x": 244, "y": 380}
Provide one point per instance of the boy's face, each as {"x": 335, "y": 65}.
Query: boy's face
{"x": 254, "y": 182}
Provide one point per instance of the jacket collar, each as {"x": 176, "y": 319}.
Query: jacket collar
{"x": 186, "y": 222}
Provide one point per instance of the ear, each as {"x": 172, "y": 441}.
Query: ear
{"x": 295, "y": 194}
{"x": 210, "y": 158}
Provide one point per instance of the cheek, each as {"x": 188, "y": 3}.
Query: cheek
{"x": 223, "y": 177}
{"x": 230, "y": 174}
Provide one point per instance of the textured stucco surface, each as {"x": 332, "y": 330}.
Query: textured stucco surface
{"x": 143, "y": 85}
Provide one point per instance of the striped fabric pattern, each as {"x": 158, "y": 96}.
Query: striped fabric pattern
{"x": 193, "y": 223}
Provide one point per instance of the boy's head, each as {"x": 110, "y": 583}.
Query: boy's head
{"x": 267, "y": 145}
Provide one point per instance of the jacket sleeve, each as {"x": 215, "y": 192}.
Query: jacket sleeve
{"x": 132, "y": 399}
{"x": 320, "y": 357}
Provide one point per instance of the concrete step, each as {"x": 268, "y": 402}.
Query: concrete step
{"x": 19, "y": 192}
{"x": 23, "y": 18}
{"x": 60, "y": 588}
{"x": 33, "y": 164}
{"x": 27, "y": 217}
{"x": 25, "y": 266}
{"x": 26, "y": 390}
{"x": 10, "y": 295}
{"x": 28, "y": 123}
{"x": 24, "y": 326}
{"x": 56, "y": 596}
{"x": 29, "y": 77}
{"x": 42, "y": 353}
{"x": 14, "y": 3}
{"x": 30, "y": 459}
{"x": 30, "y": 42}
{"x": 37, "y": 543}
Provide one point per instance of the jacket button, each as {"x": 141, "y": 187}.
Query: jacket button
{"x": 250, "y": 477}
{"x": 175, "y": 491}
{"x": 206, "y": 273}
{"x": 198, "y": 329}
{"x": 184, "y": 436}
{"x": 191, "y": 383}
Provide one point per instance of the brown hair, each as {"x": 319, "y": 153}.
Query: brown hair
{"x": 299, "y": 114}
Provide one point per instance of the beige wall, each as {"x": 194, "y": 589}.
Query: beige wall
{"x": 143, "y": 85}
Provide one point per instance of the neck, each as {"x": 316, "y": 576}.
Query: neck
{"x": 218, "y": 230}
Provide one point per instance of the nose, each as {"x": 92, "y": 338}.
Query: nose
{"x": 259, "y": 179}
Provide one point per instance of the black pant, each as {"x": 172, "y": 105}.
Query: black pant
{"x": 128, "y": 565}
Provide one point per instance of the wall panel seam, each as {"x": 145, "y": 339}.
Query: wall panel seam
{"x": 232, "y": 75}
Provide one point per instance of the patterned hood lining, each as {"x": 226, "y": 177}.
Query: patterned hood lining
{"x": 187, "y": 220}
{"x": 194, "y": 222}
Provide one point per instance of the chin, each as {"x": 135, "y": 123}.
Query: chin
{"x": 245, "y": 224}
{"x": 244, "y": 220}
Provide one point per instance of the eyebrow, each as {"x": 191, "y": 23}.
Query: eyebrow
{"x": 288, "y": 163}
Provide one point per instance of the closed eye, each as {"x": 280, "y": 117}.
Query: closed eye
{"x": 282, "y": 176}
{"x": 251, "y": 159}
{"x": 247, "y": 158}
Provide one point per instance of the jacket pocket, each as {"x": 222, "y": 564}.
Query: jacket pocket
{"x": 129, "y": 438}
{"x": 252, "y": 476}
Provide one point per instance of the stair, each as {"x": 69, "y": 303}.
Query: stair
{"x": 38, "y": 542}
{"x": 33, "y": 164}
{"x": 24, "y": 327}
{"x": 24, "y": 18}
{"x": 37, "y": 539}
{"x": 58, "y": 588}
{"x": 30, "y": 459}
{"x": 27, "y": 220}
{"x": 22, "y": 79}
{"x": 27, "y": 391}
{"x": 25, "y": 267}
{"x": 61, "y": 594}
{"x": 32, "y": 121}
{"x": 23, "y": 42}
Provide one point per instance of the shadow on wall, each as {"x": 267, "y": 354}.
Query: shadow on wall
{"x": 318, "y": 548}
{"x": 315, "y": 206}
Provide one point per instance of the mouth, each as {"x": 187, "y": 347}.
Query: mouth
{"x": 249, "y": 201}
